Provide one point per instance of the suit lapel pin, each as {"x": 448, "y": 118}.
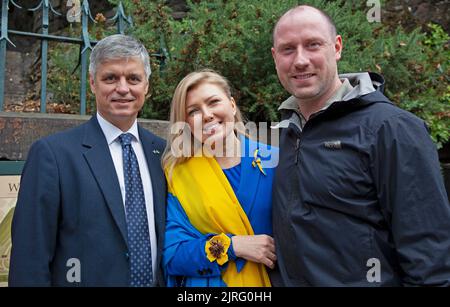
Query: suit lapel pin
{"x": 156, "y": 151}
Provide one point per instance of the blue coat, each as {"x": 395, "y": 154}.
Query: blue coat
{"x": 70, "y": 206}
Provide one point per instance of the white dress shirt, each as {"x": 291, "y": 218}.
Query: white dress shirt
{"x": 112, "y": 134}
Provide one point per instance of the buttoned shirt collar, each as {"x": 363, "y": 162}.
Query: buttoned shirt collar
{"x": 111, "y": 132}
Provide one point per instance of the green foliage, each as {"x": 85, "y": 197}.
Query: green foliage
{"x": 234, "y": 38}
{"x": 428, "y": 93}
{"x": 438, "y": 36}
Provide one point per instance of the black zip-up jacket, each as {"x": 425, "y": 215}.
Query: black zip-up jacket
{"x": 358, "y": 198}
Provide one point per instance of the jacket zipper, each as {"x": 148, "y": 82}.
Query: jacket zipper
{"x": 297, "y": 151}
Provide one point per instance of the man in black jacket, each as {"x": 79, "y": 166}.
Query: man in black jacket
{"x": 358, "y": 196}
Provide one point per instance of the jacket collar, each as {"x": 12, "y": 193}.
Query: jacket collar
{"x": 368, "y": 86}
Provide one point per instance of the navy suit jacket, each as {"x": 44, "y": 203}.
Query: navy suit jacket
{"x": 70, "y": 212}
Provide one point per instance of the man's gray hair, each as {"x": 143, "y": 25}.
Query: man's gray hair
{"x": 118, "y": 46}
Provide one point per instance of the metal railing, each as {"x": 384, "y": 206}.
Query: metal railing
{"x": 81, "y": 12}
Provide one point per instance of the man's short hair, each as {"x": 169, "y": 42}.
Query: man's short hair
{"x": 118, "y": 46}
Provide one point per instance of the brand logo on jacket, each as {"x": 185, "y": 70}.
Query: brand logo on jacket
{"x": 333, "y": 144}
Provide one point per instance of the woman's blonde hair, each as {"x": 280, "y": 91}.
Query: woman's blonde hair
{"x": 178, "y": 115}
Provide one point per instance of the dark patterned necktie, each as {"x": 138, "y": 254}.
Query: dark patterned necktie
{"x": 136, "y": 215}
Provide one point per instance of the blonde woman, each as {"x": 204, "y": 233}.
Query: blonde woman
{"x": 219, "y": 221}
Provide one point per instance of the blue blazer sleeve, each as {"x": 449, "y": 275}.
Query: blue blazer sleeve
{"x": 35, "y": 222}
{"x": 184, "y": 248}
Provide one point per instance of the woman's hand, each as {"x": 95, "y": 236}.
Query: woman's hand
{"x": 257, "y": 248}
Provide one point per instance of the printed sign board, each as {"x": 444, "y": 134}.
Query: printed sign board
{"x": 9, "y": 187}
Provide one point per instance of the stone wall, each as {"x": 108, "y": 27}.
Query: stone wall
{"x": 413, "y": 13}
{"x": 19, "y": 130}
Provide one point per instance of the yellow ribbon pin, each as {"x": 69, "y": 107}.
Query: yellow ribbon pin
{"x": 257, "y": 161}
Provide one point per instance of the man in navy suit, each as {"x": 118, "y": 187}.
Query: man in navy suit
{"x": 70, "y": 223}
